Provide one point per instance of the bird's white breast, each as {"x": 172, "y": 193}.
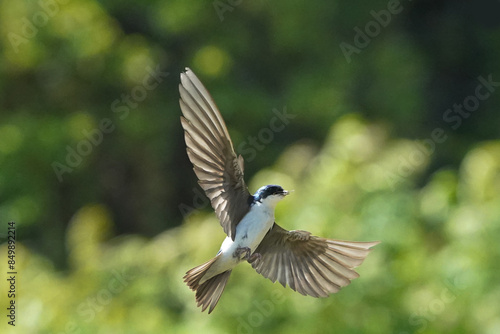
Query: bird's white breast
{"x": 254, "y": 226}
{"x": 251, "y": 229}
{"x": 249, "y": 233}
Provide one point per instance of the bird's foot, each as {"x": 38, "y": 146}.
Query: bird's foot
{"x": 254, "y": 257}
{"x": 245, "y": 251}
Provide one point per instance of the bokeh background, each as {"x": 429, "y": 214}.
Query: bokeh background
{"x": 109, "y": 217}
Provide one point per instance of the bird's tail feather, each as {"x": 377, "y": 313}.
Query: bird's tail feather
{"x": 208, "y": 293}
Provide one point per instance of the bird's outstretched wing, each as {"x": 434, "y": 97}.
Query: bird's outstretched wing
{"x": 209, "y": 147}
{"x": 309, "y": 265}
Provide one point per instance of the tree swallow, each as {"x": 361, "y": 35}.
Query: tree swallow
{"x": 308, "y": 264}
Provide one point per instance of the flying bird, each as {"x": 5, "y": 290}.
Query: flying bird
{"x": 308, "y": 264}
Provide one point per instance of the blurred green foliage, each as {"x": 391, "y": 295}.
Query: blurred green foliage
{"x": 93, "y": 166}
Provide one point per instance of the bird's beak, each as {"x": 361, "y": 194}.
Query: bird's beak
{"x": 286, "y": 192}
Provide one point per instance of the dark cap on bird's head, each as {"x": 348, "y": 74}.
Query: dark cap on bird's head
{"x": 271, "y": 189}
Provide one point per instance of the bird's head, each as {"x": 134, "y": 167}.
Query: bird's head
{"x": 270, "y": 195}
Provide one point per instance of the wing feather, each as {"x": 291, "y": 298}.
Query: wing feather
{"x": 210, "y": 150}
{"x": 307, "y": 264}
